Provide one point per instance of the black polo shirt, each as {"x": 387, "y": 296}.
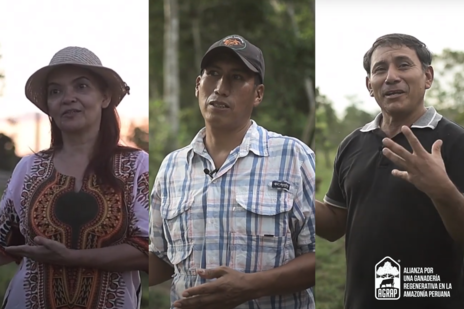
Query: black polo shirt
{"x": 396, "y": 243}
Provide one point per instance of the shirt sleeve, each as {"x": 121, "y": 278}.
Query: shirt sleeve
{"x": 335, "y": 196}
{"x": 158, "y": 244}
{"x": 10, "y": 234}
{"x": 138, "y": 213}
{"x": 303, "y": 212}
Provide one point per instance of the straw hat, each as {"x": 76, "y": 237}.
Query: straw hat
{"x": 36, "y": 85}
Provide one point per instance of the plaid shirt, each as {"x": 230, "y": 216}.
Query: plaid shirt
{"x": 256, "y": 213}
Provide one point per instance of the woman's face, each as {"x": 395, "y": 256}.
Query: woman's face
{"x": 75, "y": 99}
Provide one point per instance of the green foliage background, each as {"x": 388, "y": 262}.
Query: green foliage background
{"x": 446, "y": 95}
{"x": 288, "y": 50}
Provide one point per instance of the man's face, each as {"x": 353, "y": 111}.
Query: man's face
{"x": 226, "y": 92}
{"x": 397, "y": 79}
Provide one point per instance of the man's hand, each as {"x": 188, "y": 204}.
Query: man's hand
{"x": 47, "y": 251}
{"x": 230, "y": 289}
{"x": 424, "y": 170}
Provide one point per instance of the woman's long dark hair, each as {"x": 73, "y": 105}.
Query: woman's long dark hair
{"x": 107, "y": 145}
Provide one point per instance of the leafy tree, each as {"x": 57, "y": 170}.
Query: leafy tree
{"x": 283, "y": 29}
{"x": 447, "y": 91}
{"x": 7, "y": 153}
{"x": 139, "y": 136}
{"x": 446, "y": 94}
{"x": 285, "y": 107}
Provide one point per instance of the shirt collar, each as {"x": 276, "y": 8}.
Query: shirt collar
{"x": 430, "y": 119}
{"x": 255, "y": 140}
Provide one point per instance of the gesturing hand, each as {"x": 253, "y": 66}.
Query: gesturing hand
{"x": 423, "y": 169}
{"x": 47, "y": 251}
{"x": 230, "y": 289}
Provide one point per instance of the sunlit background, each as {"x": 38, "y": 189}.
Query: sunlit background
{"x": 31, "y": 32}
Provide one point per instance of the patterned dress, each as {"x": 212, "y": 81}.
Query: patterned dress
{"x": 39, "y": 201}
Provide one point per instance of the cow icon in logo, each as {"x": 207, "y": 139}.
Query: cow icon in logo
{"x": 387, "y": 279}
{"x": 387, "y": 282}
{"x": 234, "y": 42}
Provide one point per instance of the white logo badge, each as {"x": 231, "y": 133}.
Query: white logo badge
{"x": 387, "y": 279}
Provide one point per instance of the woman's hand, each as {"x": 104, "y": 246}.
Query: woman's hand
{"x": 46, "y": 251}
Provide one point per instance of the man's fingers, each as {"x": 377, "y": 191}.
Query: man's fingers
{"x": 397, "y": 149}
{"x": 211, "y": 273}
{"x": 400, "y": 174}
{"x": 413, "y": 141}
{"x": 436, "y": 148}
{"x": 400, "y": 162}
{"x": 206, "y": 288}
{"x": 197, "y": 302}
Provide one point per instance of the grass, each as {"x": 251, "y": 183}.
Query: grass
{"x": 159, "y": 296}
{"x": 6, "y": 273}
{"x": 330, "y": 256}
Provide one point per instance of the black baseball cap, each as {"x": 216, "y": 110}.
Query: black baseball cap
{"x": 251, "y": 55}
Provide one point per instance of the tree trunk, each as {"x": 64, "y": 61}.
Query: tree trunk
{"x": 171, "y": 69}
{"x": 291, "y": 13}
{"x": 153, "y": 90}
{"x": 308, "y": 132}
{"x": 196, "y": 34}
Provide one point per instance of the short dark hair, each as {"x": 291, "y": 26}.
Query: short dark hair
{"x": 397, "y": 39}
{"x": 257, "y": 78}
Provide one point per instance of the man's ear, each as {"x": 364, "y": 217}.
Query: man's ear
{"x": 259, "y": 94}
{"x": 429, "y": 76}
{"x": 369, "y": 86}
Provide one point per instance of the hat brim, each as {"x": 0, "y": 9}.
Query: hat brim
{"x": 36, "y": 86}
{"x": 216, "y": 50}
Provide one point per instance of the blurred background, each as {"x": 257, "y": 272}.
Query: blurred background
{"x": 345, "y": 31}
{"x": 180, "y": 33}
{"x": 31, "y": 33}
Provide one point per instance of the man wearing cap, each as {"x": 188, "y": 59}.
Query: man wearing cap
{"x": 232, "y": 214}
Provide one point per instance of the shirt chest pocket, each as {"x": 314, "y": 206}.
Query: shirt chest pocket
{"x": 261, "y": 237}
{"x": 178, "y": 228}
{"x": 266, "y": 215}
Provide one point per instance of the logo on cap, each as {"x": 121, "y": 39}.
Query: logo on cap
{"x": 234, "y": 42}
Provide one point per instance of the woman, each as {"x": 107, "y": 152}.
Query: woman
{"x": 75, "y": 216}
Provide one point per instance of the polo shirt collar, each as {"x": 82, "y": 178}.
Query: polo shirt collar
{"x": 430, "y": 119}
